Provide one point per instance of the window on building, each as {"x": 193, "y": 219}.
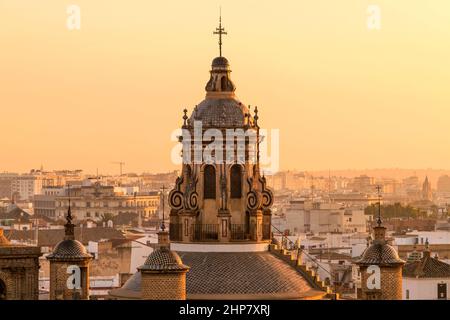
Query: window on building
{"x": 209, "y": 182}
{"x": 407, "y": 294}
{"x": 236, "y": 182}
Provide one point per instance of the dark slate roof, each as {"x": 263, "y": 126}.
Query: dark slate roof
{"x": 427, "y": 267}
{"x": 333, "y": 256}
{"x": 380, "y": 253}
{"x": 242, "y": 275}
{"x": 69, "y": 250}
{"x": 163, "y": 259}
{"x": 15, "y": 214}
{"x": 220, "y": 62}
{"x": 51, "y": 237}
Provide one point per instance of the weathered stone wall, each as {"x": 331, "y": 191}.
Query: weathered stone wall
{"x": 391, "y": 284}
{"x": 58, "y": 281}
{"x": 19, "y": 272}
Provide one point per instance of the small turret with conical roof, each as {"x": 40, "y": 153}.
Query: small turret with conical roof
{"x": 380, "y": 266}
{"x": 163, "y": 273}
{"x": 69, "y": 259}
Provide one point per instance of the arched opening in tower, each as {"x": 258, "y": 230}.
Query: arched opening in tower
{"x": 209, "y": 179}
{"x": 236, "y": 181}
{"x": 223, "y": 83}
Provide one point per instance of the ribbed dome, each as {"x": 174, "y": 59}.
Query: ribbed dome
{"x": 69, "y": 249}
{"x": 228, "y": 113}
{"x": 380, "y": 253}
{"x": 220, "y": 62}
{"x": 163, "y": 259}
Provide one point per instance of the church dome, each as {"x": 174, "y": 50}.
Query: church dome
{"x": 380, "y": 253}
{"x": 225, "y": 112}
{"x": 69, "y": 249}
{"x": 163, "y": 259}
{"x": 220, "y": 62}
{"x": 221, "y": 108}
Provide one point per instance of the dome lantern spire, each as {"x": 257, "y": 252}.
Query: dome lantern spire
{"x": 220, "y": 31}
{"x": 69, "y": 226}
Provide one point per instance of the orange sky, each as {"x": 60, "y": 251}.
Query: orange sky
{"x": 343, "y": 96}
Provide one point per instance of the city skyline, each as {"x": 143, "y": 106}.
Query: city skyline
{"x": 342, "y": 96}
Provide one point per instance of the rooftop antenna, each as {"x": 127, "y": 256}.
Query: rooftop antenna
{"x": 220, "y": 31}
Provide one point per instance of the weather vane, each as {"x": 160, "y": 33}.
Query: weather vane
{"x": 220, "y": 31}
{"x": 379, "y": 205}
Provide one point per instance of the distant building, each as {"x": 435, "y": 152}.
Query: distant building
{"x": 426, "y": 190}
{"x": 363, "y": 184}
{"x": 45, "y": 203}
{"x": 6, "y": 184}
{"x": 96, "y": 201}
{"x": 306, "y": 216}
{"x": 443, "y": 184}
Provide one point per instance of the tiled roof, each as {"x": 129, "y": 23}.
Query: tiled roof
{"x": 220, "y": 113}
{"x": 380, "y": 253}
{"x": 242, "y": 275}
{"x": 15, "y": 214}
{"x": 163, "y": 259}
{"x": 427, "y": 267}
{"x": 69, "y": 250}
{"x": 217, "y": 273}
{"x": 51, "y": 237}
{"x": 333, "y": 256}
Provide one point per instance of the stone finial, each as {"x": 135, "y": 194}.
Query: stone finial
{"x": 256, "y": 116}
{"x": 185, "y": 117}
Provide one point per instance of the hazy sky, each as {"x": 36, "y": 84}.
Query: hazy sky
{"x": 343, "y": 96}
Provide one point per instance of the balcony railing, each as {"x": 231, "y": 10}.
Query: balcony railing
{"x": 238, "y": 232}
{"x": 175, "y": 231}
{"x": 205, "y": 232}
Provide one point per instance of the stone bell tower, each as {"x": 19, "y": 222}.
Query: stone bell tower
{"x": 220, "y": 195}
{"x": 69, "y": 267}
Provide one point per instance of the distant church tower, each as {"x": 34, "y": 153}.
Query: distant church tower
{"x": 220, "y": 201}
{"x": 380, "y": 267}
{"x": 19, "y": 271}
{"x": 69, "y": 259}
{"x": 426, "y": 190}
